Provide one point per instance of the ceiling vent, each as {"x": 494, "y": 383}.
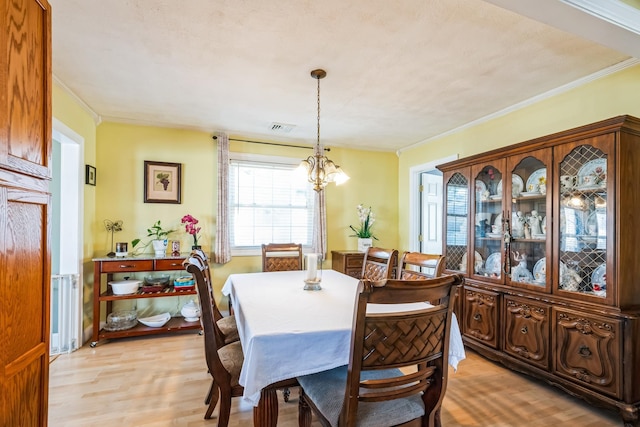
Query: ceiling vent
{"x": 281, "y": 127}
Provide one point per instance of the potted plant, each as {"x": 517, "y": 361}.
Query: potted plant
{"x": 363, "y": 232}
{"x": 190, "y": 226}
{"x": 159, "y": 239}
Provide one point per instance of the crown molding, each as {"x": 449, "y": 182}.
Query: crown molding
{"x": 533, "y": 100}
{"x": 97, "y": 119}
{"x": 612, "y": 11}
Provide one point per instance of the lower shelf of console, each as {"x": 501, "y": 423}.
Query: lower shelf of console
{"x": 175, "y": 324}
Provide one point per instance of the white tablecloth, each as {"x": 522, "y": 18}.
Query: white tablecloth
{"x": 287, "y": 332}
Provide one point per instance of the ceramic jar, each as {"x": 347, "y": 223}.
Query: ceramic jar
{"x": 190, "y": 311}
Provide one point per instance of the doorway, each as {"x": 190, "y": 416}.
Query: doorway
{"x": 425, "y": 206}
{"x": 66, "y": 239}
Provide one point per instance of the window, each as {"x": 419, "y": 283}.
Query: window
{"x": 268, "y": 203}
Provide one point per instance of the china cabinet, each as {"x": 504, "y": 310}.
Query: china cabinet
{"x": 103, "y": 295}
{"x": 546, "y": 233}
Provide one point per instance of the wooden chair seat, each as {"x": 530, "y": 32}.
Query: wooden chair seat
{"x": 229, "y": 329}
{"x": 232, "y": 358}
{"x": 322, "y": 389}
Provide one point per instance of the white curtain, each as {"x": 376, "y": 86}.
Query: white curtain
{"x": 222, "y": 250}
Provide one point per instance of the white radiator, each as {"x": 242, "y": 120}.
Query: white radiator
{"x": 66, "y": 331}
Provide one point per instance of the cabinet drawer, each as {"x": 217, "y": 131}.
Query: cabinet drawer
{"x": 169, "y": 264}
{"x": 126, "y": 265}
{"x": 480, "y": 320}
{"x": 527, "y": 330}
{"x": 355, "y": 261}
{"x": 589, "y": 350}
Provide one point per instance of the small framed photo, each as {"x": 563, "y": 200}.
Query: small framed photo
{"x": 162, "y": 182}
{"x": 89, "y": 175}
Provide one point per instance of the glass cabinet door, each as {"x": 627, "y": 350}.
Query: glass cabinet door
{"x": 456, "y": 220}
{"x": 488, "y": 230}
{"x": 583, "y": 237}
{"x": 529, "y": 209}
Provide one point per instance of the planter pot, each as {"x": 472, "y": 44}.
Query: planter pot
{"x": 364, "y": 244}
{"x": 160, "y": 247}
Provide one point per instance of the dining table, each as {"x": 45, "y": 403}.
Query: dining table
{"x": 287, "y": 331}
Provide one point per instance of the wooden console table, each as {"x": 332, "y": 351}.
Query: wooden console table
{"x": 110, "y": 266}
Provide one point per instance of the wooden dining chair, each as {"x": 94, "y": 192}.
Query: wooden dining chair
{"x": 379, "y": 263}
{"x": 416, "y": 265}
{"x": 226, "y": 325}
{"x": 281, "y": 256}
{"x": 224, "y": 361}
{"x": 372, "y": 390}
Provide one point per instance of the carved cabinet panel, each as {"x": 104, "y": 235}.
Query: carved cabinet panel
{"x": 481, "y": 315}
{"x": 527, "y": 327}
{"x": 589, "y": 350}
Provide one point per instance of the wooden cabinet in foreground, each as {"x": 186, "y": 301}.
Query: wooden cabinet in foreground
{"x": 546, "y": 232}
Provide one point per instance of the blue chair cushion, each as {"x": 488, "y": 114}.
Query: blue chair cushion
{"x": 327, "y": 390}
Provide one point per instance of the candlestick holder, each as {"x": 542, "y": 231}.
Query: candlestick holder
{"x": 312, "y": 271}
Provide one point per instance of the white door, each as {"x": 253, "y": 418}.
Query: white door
{"x": 431, "y": 212}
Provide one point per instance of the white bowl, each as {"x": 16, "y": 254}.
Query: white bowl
{"x": 156, "y": 321}
{"x": 125, "y": 287}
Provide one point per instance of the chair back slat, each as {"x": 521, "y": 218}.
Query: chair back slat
{"x": 419, "y": 266}
{"x": 379, "y": 263}
{"x": 281, "y": 256}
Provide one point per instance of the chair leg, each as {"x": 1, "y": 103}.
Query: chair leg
{"x": 208, "y": 398}
{"x": 213, "y": 396}
{"x": 304, "y": 411}
{"x": 225, "y": 410}
{"x": 286, "y": 393}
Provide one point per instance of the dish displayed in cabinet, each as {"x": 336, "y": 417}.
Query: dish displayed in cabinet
{"x": 517, "y": 185}
{"x": 478, "y": 262}
{"x": 530, "y": 193}
{"x": 592, "y": 174}
{"x": 533, "y": 183}
{"x": 493, "y": 265}
{"x": 540, "y": 271}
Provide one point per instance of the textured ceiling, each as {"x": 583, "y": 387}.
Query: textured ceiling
{"x": 398, "y": 73}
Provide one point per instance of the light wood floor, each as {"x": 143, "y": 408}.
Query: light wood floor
{"x": 161, "y": 381}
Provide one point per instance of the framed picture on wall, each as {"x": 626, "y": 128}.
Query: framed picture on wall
{"x": 89, "y": 175}
{"x": 162, "y": 182}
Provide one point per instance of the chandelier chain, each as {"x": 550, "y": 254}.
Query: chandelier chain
{"x": 318, "y": 140}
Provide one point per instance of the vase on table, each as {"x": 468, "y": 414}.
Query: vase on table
{"x": 364, "y": 244}
{"x": 160, "y": 247}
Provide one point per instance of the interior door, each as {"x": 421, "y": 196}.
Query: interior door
{"x": 431, "y": 212}
{"x": 25, "y": 152}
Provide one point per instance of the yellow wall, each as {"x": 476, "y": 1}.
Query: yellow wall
{"x": 123, "y": 148}
{"x": 614, "y": 95}
{"x": 69, "y": 112}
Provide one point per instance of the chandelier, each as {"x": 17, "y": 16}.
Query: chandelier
{"x": 319, "y": 169}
